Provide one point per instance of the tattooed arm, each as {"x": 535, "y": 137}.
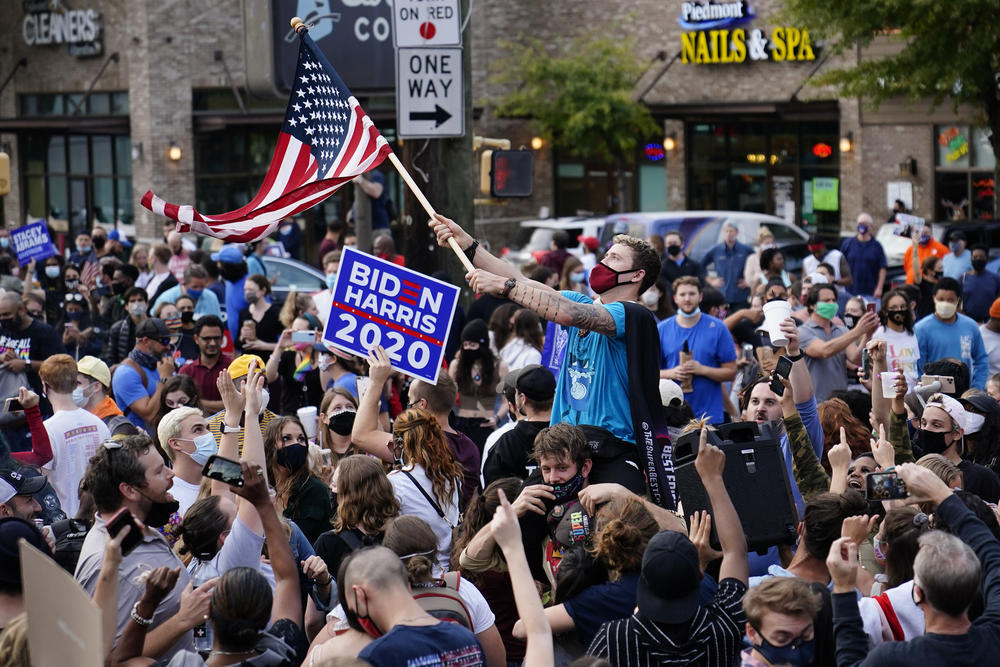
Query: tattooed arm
{"x": 546, "y": 303}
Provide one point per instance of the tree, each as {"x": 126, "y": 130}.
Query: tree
{"x": 579, "y": 98}
{"x": 948, "y": 51}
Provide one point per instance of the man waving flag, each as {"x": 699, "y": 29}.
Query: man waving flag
{"x": 325, "y": 141}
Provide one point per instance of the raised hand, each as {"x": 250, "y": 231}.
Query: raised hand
{"x": 701, "y": 533}
{"x": 711, "y": 460}
{"x": 504, "y": 527}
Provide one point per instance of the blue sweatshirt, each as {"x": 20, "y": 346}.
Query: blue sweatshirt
{"x": 960, "y": 339}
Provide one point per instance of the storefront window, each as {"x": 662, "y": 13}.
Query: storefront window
{"x": 64, "y": 104}
{"x": 964, "y": 173}
{"x": 230, "y": 166}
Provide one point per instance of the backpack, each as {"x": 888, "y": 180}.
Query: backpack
{"x": 440, "y": 599}
{"x": 69, "y": 535}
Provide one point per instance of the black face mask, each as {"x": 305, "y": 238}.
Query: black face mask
{"x": 292, "y": 457}
{"x": 979, "y": 265}
{"x": 674, "y": 250}
{"x": 897, "y": 316}
{"x": 342, "y": 423}
{"x": 118, "y": 288}
{"x": 850, "y": 320}
{"x": 159, "y": 513}
{"x": 99, "y": 242}
{"x": 932, "y": 442}
{"x": 8, "y": 325}
{"x": 187, "y": 317}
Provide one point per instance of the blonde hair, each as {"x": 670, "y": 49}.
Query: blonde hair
{"x": 14, "y": 643}
{"x": 170, "y": 426}
{"x": 365, "y": 498}
{"x": 623, "y": 528}
{"x": 942, "y": 467}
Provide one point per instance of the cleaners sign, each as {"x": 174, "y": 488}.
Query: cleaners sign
{"x": 376, "y": 302}
{"x": 32, "y": 242}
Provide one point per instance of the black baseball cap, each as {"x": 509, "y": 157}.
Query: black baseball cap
{"x": 536, "y": 382}
{"x": 24, "y": 482}
{"x": 670, "y": 580}
{"x": 152, "y": 327}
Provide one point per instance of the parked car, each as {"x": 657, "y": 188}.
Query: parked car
{"x": 703, "y": 229}
{"x": 534, "y": 236}
{"x": 288, "y": 274}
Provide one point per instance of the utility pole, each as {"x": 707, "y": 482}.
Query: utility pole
{"x": 450, "y": 184}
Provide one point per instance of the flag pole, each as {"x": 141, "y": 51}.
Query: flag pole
{"x": 299, "y": 27}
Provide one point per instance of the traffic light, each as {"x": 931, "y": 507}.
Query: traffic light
{"x": 4, "y": 174}
{"x": 511, "y": 173}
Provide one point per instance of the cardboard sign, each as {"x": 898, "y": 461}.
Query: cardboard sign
{"x": 376, "y": 302}
{"x": 64, "y": 624}
{"x": 32, "y": 242}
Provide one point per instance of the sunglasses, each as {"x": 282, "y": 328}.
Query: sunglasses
{"x": 74, "y": 296}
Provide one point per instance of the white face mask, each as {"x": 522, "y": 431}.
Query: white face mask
{"x": 265, "y": 398}
{"x": 945, "y": 309}
{"x": 649, "y": 298}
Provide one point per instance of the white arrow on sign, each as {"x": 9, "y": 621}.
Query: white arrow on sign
{"x": 429, "y": 92}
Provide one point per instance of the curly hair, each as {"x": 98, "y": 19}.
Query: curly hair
{"x": 424, "y": 443}
{"x": 108, "y": 469}
{"x": 364, "y": 495}
{"x": 622, "y": 529}
{"x": 645, "y": 258}
{"x": 834, "y": 413}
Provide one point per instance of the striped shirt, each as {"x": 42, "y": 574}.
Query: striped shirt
{"x": 711, "y": 639}
{"x": 215, "y": 426}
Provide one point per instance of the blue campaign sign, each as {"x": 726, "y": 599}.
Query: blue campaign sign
{"x": 32, "y": 242}
{"x": 376, "y": 302}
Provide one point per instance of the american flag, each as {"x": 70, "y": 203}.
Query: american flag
{"x": 325, "y": 141}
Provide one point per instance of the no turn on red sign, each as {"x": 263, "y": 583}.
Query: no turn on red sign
{"x": 426, "y": 23}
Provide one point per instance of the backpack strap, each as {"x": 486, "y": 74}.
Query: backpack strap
{"x": 130, "y": 362}
{"x": 890, "y": 616}
{"x": 442, "y": 600}
{"x": 430, "y": 499}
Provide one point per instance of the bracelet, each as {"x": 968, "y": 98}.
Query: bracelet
{"x": 329, "y": 580}
{"x": 144, "y": 622}
{"x": 795, "y": 358}
{"x": 470, "y": 252}
{"x": 226, "y": 428}
{"x": 507, "y": 287}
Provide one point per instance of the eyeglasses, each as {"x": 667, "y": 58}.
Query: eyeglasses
{"x": 166, "y": 342}
{"x": 112, "y": 444}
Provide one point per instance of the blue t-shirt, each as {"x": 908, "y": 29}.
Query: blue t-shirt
{"x": 127, "y": 387}
{"x": 710, "y": 344}
{"x": 599, "y": 604}
{"x": 954, "y": 265}
{"x": 961, "y": 339}
{"x": 729, "y": 264}
{"x": 380, "y": 214}
{"x": 207, "y": 304}
{"x": 865, "y": 259}
{"x": 593, "y": 381}
{"x": 979, "y": 291}
{"x": 445, "y": 645}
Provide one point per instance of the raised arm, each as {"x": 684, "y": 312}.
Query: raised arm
{"x": 507, "y": 533}
{"x": 710, "y": 463}
{"x": 366, "y": 433}
{"x": 810, "y": 478}
{"x": 253, "y": 445}
{"x": 801, "y": 381}
{"x": 41, "y": 446}
{"x": 233, "y": 401}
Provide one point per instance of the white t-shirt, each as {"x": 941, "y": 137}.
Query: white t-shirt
{"x": 412, "y": 501}
{"x": 518, "y": 354}
{"x": 901, "y": 352}
{"x": 491, "y": 440}
{"x": 242, "y": 548}
{"x": 75, "y": 436}
{"x": 185, "y": 493}
{"x": 833, "y": 257}
{"x": 991, "y": 340}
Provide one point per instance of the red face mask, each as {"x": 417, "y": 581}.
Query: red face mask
{"x": 603, "y": 277}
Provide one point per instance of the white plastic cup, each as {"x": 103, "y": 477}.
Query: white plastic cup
{"x": 888, "y": 379}
{"x": 776, "y": 312}
{"x": 308, "y": 416}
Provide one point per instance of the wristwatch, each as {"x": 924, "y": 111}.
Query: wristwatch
{"x": 507, "y": 287}
{"x": 226, "y": 428}
{"x": 795, "y": 358}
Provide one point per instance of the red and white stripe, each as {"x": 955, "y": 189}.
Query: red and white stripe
{"x": 290, "y": 186}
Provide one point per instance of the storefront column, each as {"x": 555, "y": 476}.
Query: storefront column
{"x": 852, "y": 200}
{"x": 160, "y": 108}
{"x": 676, "y": 172}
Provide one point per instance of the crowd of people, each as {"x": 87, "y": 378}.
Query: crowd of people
{"x": 230, "y": 489}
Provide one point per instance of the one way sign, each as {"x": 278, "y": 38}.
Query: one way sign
{"x": 429, "y": 93}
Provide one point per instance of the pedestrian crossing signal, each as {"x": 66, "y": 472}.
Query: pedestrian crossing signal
{"x": 511, "y": 173}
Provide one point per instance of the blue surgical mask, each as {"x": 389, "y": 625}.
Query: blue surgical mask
{"x": 797, "y": 652}
{"x": 80, "y": 398}
{"x": 331, "y": 280}
{"x": 4, "y": 241}
{"x": 924, "y": 238}
{"x": 52, "y": 271}
{"x": 83, "y": 249}
{"x": 693, "y": 313}
{"x": 194, "y": 293}
{"x": 862, "y": 229}
{"x": 576, "y": 277}
{"x": 204, "y": 447}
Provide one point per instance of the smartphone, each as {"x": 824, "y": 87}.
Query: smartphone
{"x": 303, "y": 336}
{"x": 947, "y": 382}
{"x": 747, "y": 352}
{"x": 870, "y": 307}
{"x": 884, "y": 486}
{"x": 781, "y": 369}
{"x": 12, "y": 404}
{"x": 866, "y": 364}
{"x": 121, "y": 519}
{"x": 225, "y": 470}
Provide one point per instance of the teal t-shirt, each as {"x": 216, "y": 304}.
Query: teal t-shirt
{"x": 592, "y": 387}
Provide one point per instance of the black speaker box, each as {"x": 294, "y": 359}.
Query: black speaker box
{"x": 755, "y": 477}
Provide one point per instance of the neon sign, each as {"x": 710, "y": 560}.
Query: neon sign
{"x": 654, "y": 152}
{"x": 822, "y": 150}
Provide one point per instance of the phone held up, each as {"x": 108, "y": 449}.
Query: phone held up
{"x": 884, "y": 486}
{"x": 781, "y": 370}
{"x": 12, "y": 404}
{"x": 115, "y": 525}
{"x": 225, "y": 470}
